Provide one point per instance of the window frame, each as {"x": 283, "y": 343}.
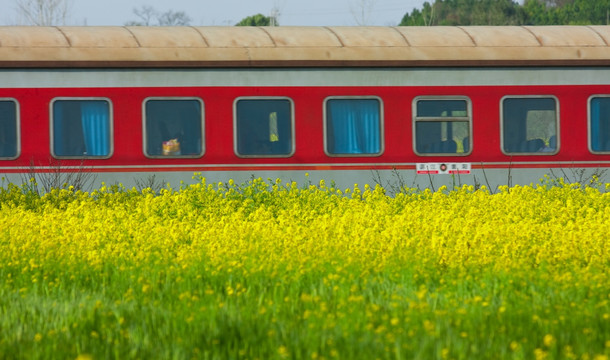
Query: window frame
{"x": 381, "y": 125}
{"x": 17, "y": 127}
{"x": 468, "y": 118}
{"x": 557, "y": 125}
{"x": 145, "y": 132}
{"x": 292, "y": 128}
{"x": 110, "y": 127}
{"x": 589, "y": 129}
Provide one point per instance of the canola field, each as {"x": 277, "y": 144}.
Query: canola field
{"x": 272, "y": 270}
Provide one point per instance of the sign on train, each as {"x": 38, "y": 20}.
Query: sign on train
{"x": 443, "y": 168}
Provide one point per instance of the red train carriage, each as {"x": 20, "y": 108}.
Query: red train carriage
{"x": 422, "y": 106}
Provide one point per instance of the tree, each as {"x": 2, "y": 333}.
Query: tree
{"x": 425, "y": 17}
{"x": 174, "y": 18}
{"x": 256, "y": 20}
{"x": 149, "y": 16}
{"x": 509, "y": 12}
{"x": 44, "y": 12}
{"x": 362, "y": 10}
{"x": 146, "y": 15}
{"x": 567, "y": 12}
{"x": 557, "y": 3}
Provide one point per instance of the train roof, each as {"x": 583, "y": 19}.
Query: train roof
{"x": 134, "y": 46}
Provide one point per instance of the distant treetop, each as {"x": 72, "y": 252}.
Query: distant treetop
{"x": 256, "y": 20}
{"x": 509, "y": 12}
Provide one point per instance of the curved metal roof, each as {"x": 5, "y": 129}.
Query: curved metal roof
{"x": 303, "y": 46}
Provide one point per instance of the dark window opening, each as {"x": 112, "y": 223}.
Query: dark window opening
{"x": 8, "y": 129}
{"x": 264, "y": 127}
{"x": 529, "y": 125}
{"x": 442, "y": 126}
{"x": 174, "y": 127}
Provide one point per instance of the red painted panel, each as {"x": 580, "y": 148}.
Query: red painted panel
{"x": 308, "y": 102}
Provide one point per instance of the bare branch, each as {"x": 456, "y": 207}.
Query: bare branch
{"x": 149, "y": 16}
{"x": 146, "y": 14}
{"x": 361, "y": 10}
{"x": 174, "y": 18}
{"x": 44, "y": 12}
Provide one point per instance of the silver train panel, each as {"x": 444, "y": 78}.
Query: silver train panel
{"x": 79, "y": 78}
{"x": 391, "y": 180}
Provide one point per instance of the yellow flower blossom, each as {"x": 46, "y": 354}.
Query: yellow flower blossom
{"x": 274, "y": 270}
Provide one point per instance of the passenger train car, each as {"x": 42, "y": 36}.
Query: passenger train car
{"x": 423, "y": 106}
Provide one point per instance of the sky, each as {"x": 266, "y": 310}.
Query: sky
{"x": 230, "y": 12}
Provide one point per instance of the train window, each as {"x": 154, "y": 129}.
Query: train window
{"x": 173, "y": 127}
{"x": 81, "y": 127}
{"x": 353, "y": 126}
{"x": 9, "y": 129}
{"x": 264, "y": 127}
{"x": 442, "y": 125}
{"x": 529, "y": 125}
{"x": 599, "y": 123}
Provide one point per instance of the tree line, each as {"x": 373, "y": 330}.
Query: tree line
{"x": 509, "y": 12}
{"x": 438, "y": 12}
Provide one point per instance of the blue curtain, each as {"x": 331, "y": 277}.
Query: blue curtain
{"x": 353, "y": 126}
{"x": 96, "y": 129}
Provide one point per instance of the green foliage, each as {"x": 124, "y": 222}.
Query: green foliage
{"x": 466, "y": 12}
{"x": 575, "y": 12}
{"x": 509, "y": 12}
{"x": 255, "y": 20}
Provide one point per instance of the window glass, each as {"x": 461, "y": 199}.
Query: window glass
{"x": 264, "y": 127}
{"x": 173, "y": 127}
{"x": 81, "y": 127}
{"x": 442, "y": 126}
{"x": 8, "y": 129}
{"x": 353, "y": 126}
{"x": 529, "y": 125}
{"x": 599, "y": 123}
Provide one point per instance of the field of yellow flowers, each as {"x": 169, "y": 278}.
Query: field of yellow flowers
{"x": 272, "y": 270}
